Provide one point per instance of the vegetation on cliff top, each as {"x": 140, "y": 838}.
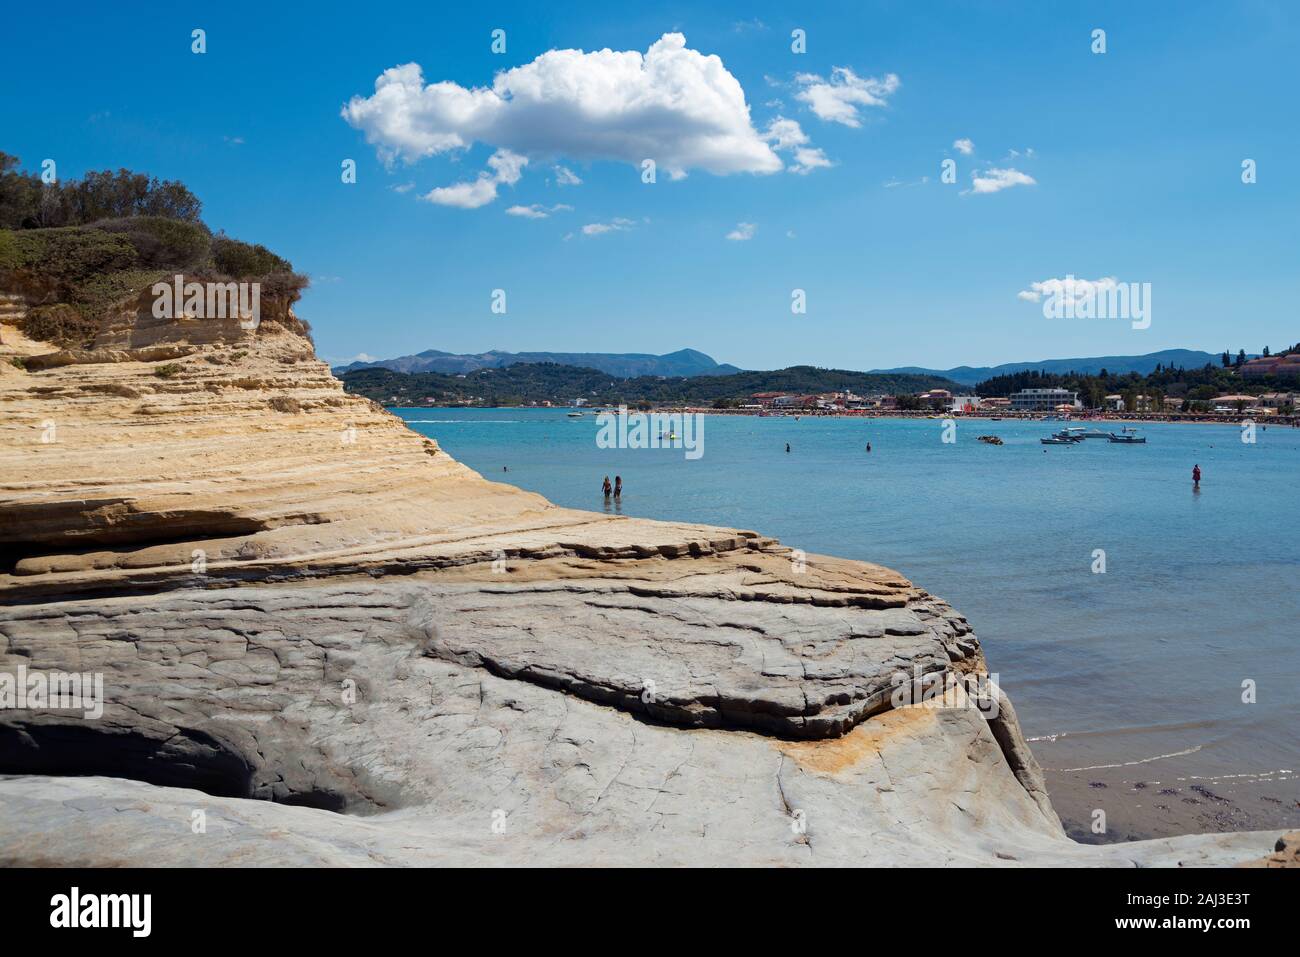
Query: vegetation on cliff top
{"x": 81, "y": 247}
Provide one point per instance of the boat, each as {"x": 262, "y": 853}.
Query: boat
{"x": 1128, "y": 436}
{"x": 990, "y": 439}
{"x": 574, "y": 415}
{"x": 1065, "y": 437}
{"x": 1096, "y": 434}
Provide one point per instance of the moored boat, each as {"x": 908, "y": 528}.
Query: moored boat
{"x": 1128, "y": 436}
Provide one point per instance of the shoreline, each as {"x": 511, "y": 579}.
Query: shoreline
{"x": 1292, "y": 421}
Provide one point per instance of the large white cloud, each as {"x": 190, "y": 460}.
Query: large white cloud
{"x": 837, "y": 100}
{"x": 671, "y": 104}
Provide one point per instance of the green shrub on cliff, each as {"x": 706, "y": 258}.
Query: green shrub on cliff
{"x": 241, "y": 260}
{"x": 61, "y": 323}
{"x": 161, "y": 242}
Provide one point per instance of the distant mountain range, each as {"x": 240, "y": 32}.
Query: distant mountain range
{"x": 690, "y": 363}
{"x": 970, "y": 375}
{"x": 628, "y": 365}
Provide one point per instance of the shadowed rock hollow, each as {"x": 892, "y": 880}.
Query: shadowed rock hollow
{"x": 300, "y": 607}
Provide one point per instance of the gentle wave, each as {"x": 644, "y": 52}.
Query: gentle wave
{"x": 1129, "y": 764}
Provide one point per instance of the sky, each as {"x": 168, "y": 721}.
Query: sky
{"x": 521, "y": 169}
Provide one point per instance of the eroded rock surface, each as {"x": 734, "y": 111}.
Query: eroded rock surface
{"x": 344, "y": 647}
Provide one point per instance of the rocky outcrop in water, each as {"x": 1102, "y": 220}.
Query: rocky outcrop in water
{"x": 324, "y": 641}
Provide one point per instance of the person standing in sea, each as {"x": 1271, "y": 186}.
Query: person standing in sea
{"x": 618, "y": 487}
{"x": 1196, "y": 476}
{"x": 605, "y": 488}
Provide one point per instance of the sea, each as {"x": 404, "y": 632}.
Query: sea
{"x": 1147, "y": 631}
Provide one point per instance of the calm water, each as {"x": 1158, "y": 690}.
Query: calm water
{"x": 1139, "y": 667}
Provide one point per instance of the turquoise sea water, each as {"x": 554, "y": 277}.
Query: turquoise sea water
{"x": 1141, "y": 667}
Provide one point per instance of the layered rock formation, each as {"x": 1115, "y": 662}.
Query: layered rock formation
{"x": 341, "y": 646}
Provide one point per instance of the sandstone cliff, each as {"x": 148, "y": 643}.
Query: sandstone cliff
{"x": 293, "y": 598}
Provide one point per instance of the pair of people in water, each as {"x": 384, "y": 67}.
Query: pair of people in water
{"x": 617, "y": 488}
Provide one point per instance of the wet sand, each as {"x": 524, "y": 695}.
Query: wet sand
{"x": 1142, "y": 802}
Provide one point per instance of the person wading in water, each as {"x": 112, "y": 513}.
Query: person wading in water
{"x": 1196, "y": 476}
{"x": 605, "y": 488}
{"x": 618, "y": 487}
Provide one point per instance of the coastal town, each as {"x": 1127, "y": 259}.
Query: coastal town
{"x": 1026, "y": 403}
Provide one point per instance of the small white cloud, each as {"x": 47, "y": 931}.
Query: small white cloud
{"x": 1069, "y": 290}
{"x": 897, "y": 183}
{"x": 837, "y": 100}
{"x": 537, "y": 210}
{"x": 742, "y": 232}
{"x": 807, "y": 159}
{"x": 402, "y": 187}
{"x": 234, "y": 140}
{"x": 566, "y": 177}
{"x": 506, "y": 168}
{"x": 788, "y": 135}
{"x": 613, "y": 226}
{"x": 743, "y": 26}
{"x": 1016, "y": 154}
{"x": 996, "y": 180}
{"x": 963, "y": 146}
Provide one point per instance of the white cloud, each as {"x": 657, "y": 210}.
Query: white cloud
{"x": 996, "y": 180}
{"x": 742, "y": 232}
{"x": 837, "y": 100}
{"x": 807, "y": 159}
{"x": 506, "y": 167}
{"x": 1068, "y": 290}
{"x": 566, "y": 177}
{"x": 786, "y": 134}
{"x": 402, "y": 187}
{"x": 613, "y": 226}
{"x": 963, "y": 146}
{"x": 537, "y": 211}
{"x": 897, "y": 183}
{"x": 672, "y": 104}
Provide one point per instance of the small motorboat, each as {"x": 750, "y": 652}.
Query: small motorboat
{"x": 1096, "y": 434}
{"x": 574, "y": 415}
{"x": 1128, "y": 436}
{"x": 990, "y": 439}
{"x": 1065, "y": 437}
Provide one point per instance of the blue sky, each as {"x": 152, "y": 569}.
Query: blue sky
{"x": 1136, "y": 169}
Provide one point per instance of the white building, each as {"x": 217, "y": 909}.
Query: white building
{"x": 1043, "y": 400}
